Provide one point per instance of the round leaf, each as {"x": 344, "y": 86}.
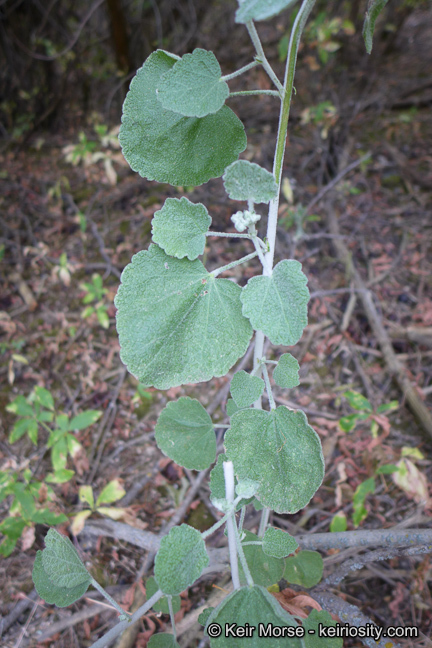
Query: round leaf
{"x": 167, "y": 147}
{"x": 312, "y": 625}
{"x": 162, "y": 640}
{"x": 278, "y": 543}
{"x": 246, "y": 389}
{"x": 245, "y": 180}
{"x": 193, "y": 87}
{"x": 304, "y": 569}
{"x": 281, "y": 451}
{"x": 286, "y": 373}
{"x": 161, "y": 605}
{"x": 260, "y": 9}
{"x": 185, "y": 433}
{"x": 277, "y": 305}
{"x": 177, "y": 324}
{"x": 62, "y": 563}
{"x": 181, "y": 558}
{"x": 179, "y": 228}
{"x": 265, "y": 570}
{"x": 50, "y": 591}
{"x": 245, "y": 606}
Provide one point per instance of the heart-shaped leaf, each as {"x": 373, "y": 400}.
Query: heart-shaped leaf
{"x": 277, "y": 305}
{"x": 177, "y": 324}
{"x": 52, "y": 593}
{"x": 193, "y": 86}
{"x": 286, "y": 373}
{"x": 244, "y": 607}
{"x": 62, "y": 563}
{"x": 278, "y": 543}
{"x": 162, "y": 640}
{"x": 265, "y": 570}
{"x": 181, "y": 558}
{"x": 312, "y": 625}
{"x": 246, "y": 389}
{"x": 165, "y": 146}
{"x": 185, "y": 433}
{"x": 162, "y": 605}
{"x": 305, "y": 568}
{"x": 281, "y": 451}
{"x": 245, "y": 180}
{"x": 179, "y": 228}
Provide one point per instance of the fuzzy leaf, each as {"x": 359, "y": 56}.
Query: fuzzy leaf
{"x": 245, "y": 606}
{"x": 265, "y": 570}
{"x": 305, "y": 568}
{"x": 185, "y": 433}
{"x": 286, "y": 373}
{"x": 179, "y": 228}
{"x": 62, "y": 563}
{"x": 374, "y": 9}
{"x": 260, "y": 9}
{"x": 281, "y": 451}
{"x": 278, "y": 543}
{"x": 161, "y": 605}
{"x": 245, "y": 180}
{"x": 217, "y": 483}
{"x": 277, "y": 305}
{"x": 177, "y": 324}
{"x": 313, "y": 639}
{"x": 162, "y": 640}
{"x": 246, "y": 389}
{"x": 167, "y": 147}
{"x": 181, "y": 558}
{"x": 193, "y": 86}
{"x": 50, "y": 591}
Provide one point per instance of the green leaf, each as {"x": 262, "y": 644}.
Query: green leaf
{"x": 181, "y": 558}
{"x": 374, "y": 9}
{"x": 265, "y": 570}
{"x": 246, "y": 389}
{"x": 112, "y": 492}
{"x": 85, "y": 494}
{"x": 193, "y": 86}
{"x": 244, "y": 607}
{"x": 20, "y": 407}
{"x": 62, "y": 422}
{"x": 185, "y": 433}
{"x": 312, "y": 627}
{"x": 20, "y": 428}
{"x": 338, "y": 523}
{"x": 45, "y": 516}
{"x": 202, "y": 619}
{"x": 277, "y": 305}
{"x": 217, "y": 482}
{"x": 12, "y": 527}
{"x": 32, "y": 431}
{"x": 305, "y": 568}
{"x": 278, "y": 543}
{"x": 59, "y": 454}
{"x": 387, "y": 407}
{"x": 348, "y": 423}
{"x": 387, "y": 469}
{"x": 260, "y": 9}
{"x": 49, "y": 590}
{"x": 231, "y": 407}
{"x": 286, "y": 373}
{"x": 177, "y": 324}
{"x": 161, "y": 605}
{"x": 7, "y": 546}
{"x": 60, "y": 476}
{"x": 245, "y": 180}
{"x": 281, "y": 451}
{"x": 44, "y": 397}
{"x": 357, "y": 401}
{"x": 359, "y": 498}
{"x": 179, "y": 228}
{"x": 167, "y": 147}
{"x": 61, "y": 562}
{"x": 162, "y": 640}
{"x": 85, "y": 419}
{"x": 246, "y": 488}
{"x": 102, "y": 316}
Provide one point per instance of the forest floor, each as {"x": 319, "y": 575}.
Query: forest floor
{"x": 62, "y": 224}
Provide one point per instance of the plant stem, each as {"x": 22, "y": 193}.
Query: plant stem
{"x": 120, "y": 627}
{"x": 259, "y": 251}
{"x": 242, "y": 517}
{"x": 242, "y": 93}
{"x": 171, "y": 612}
{"x": 238, "y": 235}
{"x": 264, "y": 521}
{"x": 268, "y": 387}
{"x": 242, "y": 557}
{"x": 245, "y": 68}
{"x": 215, "y": 527}
{"x": 108, "y": 597}
{"x": 244, "y": 259}
{"x": 262, "y": 57}
{"x": 228, "y": 468}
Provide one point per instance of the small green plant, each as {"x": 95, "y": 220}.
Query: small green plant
{"x": 89, "y": 152}
{"x": 365, "y": 412}
{"x": 95, "y": 292}
{"x": 180, "y": 323}
{"x": 112, "y": 492}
